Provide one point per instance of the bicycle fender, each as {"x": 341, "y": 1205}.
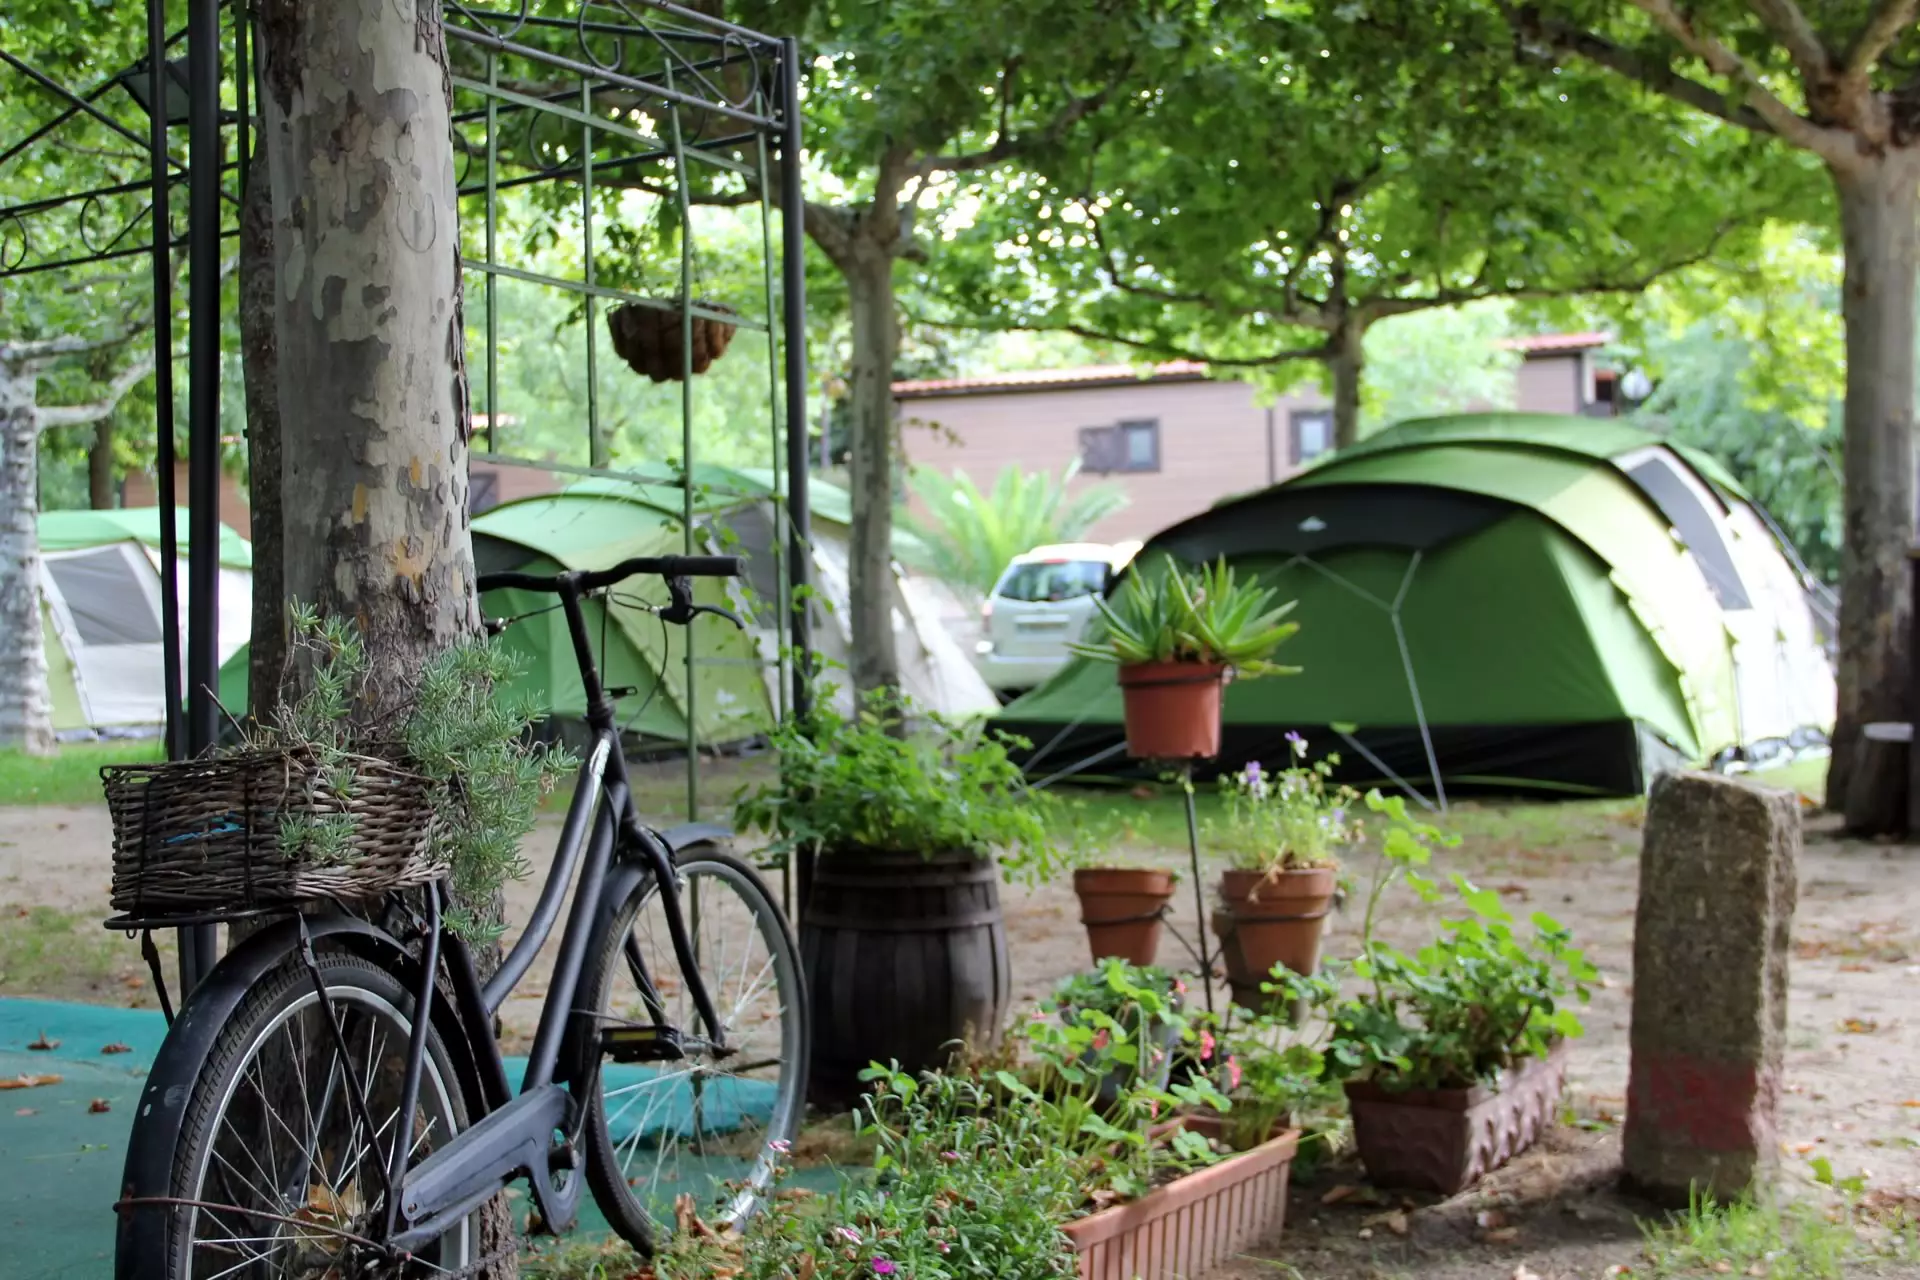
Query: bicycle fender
{"x": 141, "y": 1235}
{"x": 681, "y": 838}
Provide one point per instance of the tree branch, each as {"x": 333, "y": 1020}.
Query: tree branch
{"x": 79, "y": 415}
{"x": 1802, "y": 42}
{"x": 1319, "y": 351}
{"x": 1884, "y": 25}
{"x": 1007, "y": 146}
{"x": 1662, "y": 79}
{"x": 1829, "y": 144}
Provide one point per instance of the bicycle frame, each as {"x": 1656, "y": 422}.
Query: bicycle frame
{"x": 516, "y": 1135}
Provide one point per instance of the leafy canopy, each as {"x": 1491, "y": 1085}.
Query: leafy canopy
{"x": 969, "y": 537}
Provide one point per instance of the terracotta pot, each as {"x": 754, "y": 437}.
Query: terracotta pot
{"x": 1446, "y": 1140}
{"x": 1121, "y": 908}
{"x": 1173, "y": 709}
{"x": 1193, "y": 1224}
{"x": 1266, "y": 920}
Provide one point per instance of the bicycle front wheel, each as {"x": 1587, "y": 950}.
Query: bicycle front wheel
{"x": 712, "y": 1128}
{"x": 277, "y": 1172}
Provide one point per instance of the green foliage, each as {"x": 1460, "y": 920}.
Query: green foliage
{"x": 1273, "y": 1071}
{"x": 485, "y": 779}
{"x": 1480, "y": 998}
{"x": 1438, "y": 362}
{"x": 72, "y": 774}
{"x": 968, "y": 537}
{"x": 868, "y": 784}
{"x": 1206, "y": 615}
{"x": 1293, "y": 818}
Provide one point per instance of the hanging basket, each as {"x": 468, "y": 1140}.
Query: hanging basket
{"x": 1172, "y": 709}
{"x": 649, "y": 337}
{"x": 202, "y": 837}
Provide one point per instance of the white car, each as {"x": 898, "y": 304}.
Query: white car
{"x": 1042, "y": 604}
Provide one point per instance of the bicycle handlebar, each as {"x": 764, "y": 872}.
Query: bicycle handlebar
{"x": 593, "y": 580}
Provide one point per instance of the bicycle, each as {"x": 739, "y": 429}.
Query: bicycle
{"x": 267, "y": 1141}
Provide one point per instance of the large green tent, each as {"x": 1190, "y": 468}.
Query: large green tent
{"x": 735, "y": 685}
{"x": 1497, "y": 600}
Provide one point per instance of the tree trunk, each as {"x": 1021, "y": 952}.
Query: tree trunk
{"x": 26, "y": 713}
{"x": 101, "y": 495}
{"x": 876, "y": 340}
{"x": 369, "y": 348}
{"x": 1879, "y": 203}
{"x": 267, "y": 648}
{"x": 1346, "y": 363}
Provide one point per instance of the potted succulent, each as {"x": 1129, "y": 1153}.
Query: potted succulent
{"x": 1452, "y": 1057}
{"x": 1121, "y": 907}
{"x": 1283, "y": 830}
{"x": 1177, "y": 636}
{"x": 901, "y": 935}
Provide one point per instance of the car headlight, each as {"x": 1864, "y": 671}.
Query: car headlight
{"x": 983, "y": 647}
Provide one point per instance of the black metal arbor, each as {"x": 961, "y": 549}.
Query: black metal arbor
{"x": 641, "y": 94}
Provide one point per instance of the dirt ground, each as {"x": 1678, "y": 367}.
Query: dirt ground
{"x": 1853, "y": 1060}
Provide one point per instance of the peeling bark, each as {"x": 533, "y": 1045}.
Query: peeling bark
{"x": 1879, "y": 205}
{"x": 267, "y": 649}
{"x": 868, "y": 267}
{"x": 368, "y": 350}
{"x": 26, "y": 711}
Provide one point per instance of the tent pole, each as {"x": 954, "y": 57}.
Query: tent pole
{"x": 1413, "y": 685}
{"x": 1199, "y": 894}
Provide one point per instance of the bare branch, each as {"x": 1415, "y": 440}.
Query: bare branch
{"x": 1832, "y": 145}
{"x": 1884, "y": 25}
{"x": 1658, "y": 76}
{"x": 1802, "y": 42}
{"x": 46, "y": 417}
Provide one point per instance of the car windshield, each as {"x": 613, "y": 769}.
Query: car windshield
{"x": 1048, "y": 580}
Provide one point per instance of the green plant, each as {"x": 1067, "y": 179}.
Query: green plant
{"x": 1205, "y": 615}
{"x": 484, "y": 777}
{"x": 1291, "y": 818}
{"x": 865, "y": 784}
{"x": 1476, "y": 1000}
{"x": 1272, "y": 1071}
{"x": 968, "y": 537}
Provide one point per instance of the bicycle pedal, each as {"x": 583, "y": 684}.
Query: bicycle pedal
{"x": 642, "y": 1044}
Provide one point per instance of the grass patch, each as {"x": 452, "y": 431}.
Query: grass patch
{"x": 603, "y": 1259}
{"x": 1802, "y": 1241}
{"x": 72, "y": 774}
{"x": 56, "y": 955}
{"x": 1808, "y": 777}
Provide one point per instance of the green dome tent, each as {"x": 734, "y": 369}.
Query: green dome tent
{"x": 100, "y": 616}
{"x": 596, "y": 523}
{"x": 1502, "y": 601}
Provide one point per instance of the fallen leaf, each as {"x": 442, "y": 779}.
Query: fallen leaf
{"x": 1366, "y": 1233}
{"x": 1395, "y": 1221}
{"x": 1524, "y": 1272}
{"x": 133, "y": 980}
{"x": 116, "y": 1047}
{"x": 1346, "y": 1191}
{"x": 98, "y": 1106}
{"x": 1860, "y": 1026}
{"x": 1501, "y": 1235}
{"x": 28, "y": 1082}
{"x": 1617, "y": 1269}
{"x": 1490, "y": 1219}
{"x": 1757, "y": 1269}
{"x": 28, "y": 1111}
{"x": 1911, "y": 1102}
{"x": 43, "y": 1044}
{"x": 1854, "y": 968}
{"x": 1514, "y": 891}
{"x": 1801, "y": 1148}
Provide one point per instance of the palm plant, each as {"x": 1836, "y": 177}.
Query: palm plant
{"x": 969, "y": 537}
{"x": 1207, "y": 616}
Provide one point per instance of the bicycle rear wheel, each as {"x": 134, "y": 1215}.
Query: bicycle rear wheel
{"x": 712, "y": 1129}
{"x": 276, "y": 1167}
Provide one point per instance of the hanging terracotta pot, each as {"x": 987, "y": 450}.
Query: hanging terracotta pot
{"x": 1173, "y": 709}
{"x": 1121, "y": 908}
{"x": 1266, "y": 919}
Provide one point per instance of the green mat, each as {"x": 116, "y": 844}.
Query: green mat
{"x": 61, "y": 1162}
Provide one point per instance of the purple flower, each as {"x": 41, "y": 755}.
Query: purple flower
{"x": 881, "y": 1267}
{"x": 1298, "y": 743}
{"x": 848, "y": 1234}
{"x": 949, "y": 1156}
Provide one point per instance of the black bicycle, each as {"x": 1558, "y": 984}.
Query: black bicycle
{"x": 332, "y": 1100}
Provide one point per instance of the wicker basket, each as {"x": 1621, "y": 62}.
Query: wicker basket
{"x": 648, "y": 338}
{"x": 202, "y": 837}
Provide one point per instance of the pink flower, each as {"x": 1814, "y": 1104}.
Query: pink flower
{"x": 848, "y": 1234}
{"x": 1179, "y": 987}
{"x": 780, "y": 1146}
{"x": 1153, "y": 1108}
{"x": 881, "y": 1267}
{"x": 943, "y": 1246}
{"x": 949, "y": 1155}
{"x": 1233, "y": 1073}
{"x": 1101, "y": 1039}
{"x": 1206, "y": 1046}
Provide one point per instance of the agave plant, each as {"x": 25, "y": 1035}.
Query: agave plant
{"x": 1206, "y": 615}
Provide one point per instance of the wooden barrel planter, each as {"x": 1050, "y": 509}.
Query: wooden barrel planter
{"x": 903, "y": 955}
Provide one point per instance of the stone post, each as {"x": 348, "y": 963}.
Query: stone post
{"x": 1710, "y": 947}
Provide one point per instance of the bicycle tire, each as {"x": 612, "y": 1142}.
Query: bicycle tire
{"x": 362, "y": 996}
{"x": 611, "y": 1179}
